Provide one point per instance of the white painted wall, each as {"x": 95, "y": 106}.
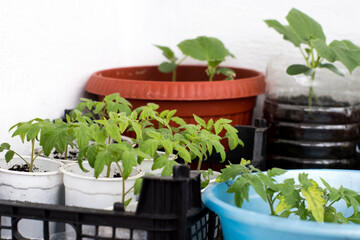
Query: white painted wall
{"x": 48, "y": 49}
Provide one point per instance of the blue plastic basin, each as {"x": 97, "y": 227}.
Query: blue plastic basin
{"x": 253, "y": 221}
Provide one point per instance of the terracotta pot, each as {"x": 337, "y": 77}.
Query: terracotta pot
{"x": 191, "y": 94}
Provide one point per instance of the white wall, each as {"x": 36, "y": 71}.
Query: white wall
{"x": 48, "y": 49}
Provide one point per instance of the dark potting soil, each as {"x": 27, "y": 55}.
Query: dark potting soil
{"x": 322, "y": 101}
{"x": 117, "y": 175}
{"x": 21, "y": 168}
{"x": 307, "y": 130}
{"x": 72, "y": 155}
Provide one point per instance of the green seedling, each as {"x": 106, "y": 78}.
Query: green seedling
{"x": 202, "y": 48}
{"x": 307, "y": 35}
{"x": 32, "y": 131}
{"x": 305, "y": 199}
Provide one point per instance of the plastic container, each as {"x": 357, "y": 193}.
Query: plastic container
{"x": 320, "y": 134}
{"x": 103, "y": 192}
{"x": 253, "y": 220}
{"x": 169, "y": 208}
{"x": 41, "y": 186}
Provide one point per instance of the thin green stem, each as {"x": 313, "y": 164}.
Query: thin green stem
{"x": 108, "y": 170}
{"x": 27, "y": 163}
{"x": 32, "y": 155}
{"x": 305, "y": 57}
{"x": 199, "y": 165}
{"x": 66, "y": 151}
{"x": 123, "y": 183}
{"x": 270, "y": 202}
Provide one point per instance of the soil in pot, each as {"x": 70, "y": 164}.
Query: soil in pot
{"x": 325, "y": 135}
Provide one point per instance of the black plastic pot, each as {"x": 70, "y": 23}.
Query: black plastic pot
{"x": 321, "y": 136}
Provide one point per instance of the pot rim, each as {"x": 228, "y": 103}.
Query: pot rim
{"x": 101, "y": 179}
{"x": 33, "y": 173}
{"x": 177, "y": 91}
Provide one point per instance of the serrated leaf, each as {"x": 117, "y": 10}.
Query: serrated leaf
{"x": 230, "y": 172}
{"x": 199, "y": 120}
{"x": 159, "y": 162}
{"x": 315, "y": 202}
{"x": 275, "y": 172}
{"x": 240, "y": 188}
{"x": 282, "y": 205}
{"x": 168, "y": 168}
{"x": 102, "y": 159}
{"x": 128, "y": 161}
{"x": 149, "y": 146}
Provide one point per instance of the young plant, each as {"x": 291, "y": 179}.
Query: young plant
{"x": 305, "y": 199}
{"x": 308, "y": 36}
{"x": 202, "y": 48}
{"x": 32, "y": 131}
{"x": 203, "y": 137}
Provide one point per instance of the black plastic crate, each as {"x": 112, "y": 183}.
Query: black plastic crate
{"x": 169, "y": 208}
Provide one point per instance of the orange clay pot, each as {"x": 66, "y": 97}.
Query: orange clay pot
{"x": 192, "y": 93}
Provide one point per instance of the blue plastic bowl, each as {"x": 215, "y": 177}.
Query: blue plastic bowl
{"x": 253, "y": 220}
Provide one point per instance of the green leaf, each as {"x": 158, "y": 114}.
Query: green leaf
{"x": 227, "y": 72}
{"x": 332, "y": 68}
{"x": 323, "y": 50}
{"x": 282, "y": 205}
{"x": 178, "y": 121}
{"x": 159, "y": 162}
{"x": 5, "y": 146}
{"x": 230, "y": 172}
{"x": 204, "y": 49}
{"x": 127, "y": 202}
{"x": 240, "y": 188}
{"x": 33, "y": 131}
{"x": 315, "y": 202}
{"x": 113, "y": 130}
{"x": 199, "y": 120}
{"x": 275, "y": 172}
{"x": 128, "y": 161}
{"x": 167, "y": 52}
{"x": 347, "y": 53}
{"x": 102, "y": 159}
{"x": 304, "y": 26}
{"x": 168, "y": 168}
{"x": 183, "y": 153}
{"x": 286, "y": 31}
{"x": 167, "y": 67}
{"x": 149, "y": 146}
{"x": 138, "y": 185}
{"x": 9, "y": 155}
{"x": 296, "y": 69}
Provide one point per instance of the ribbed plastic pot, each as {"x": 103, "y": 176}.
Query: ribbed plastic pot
{"x": 316, "y": 137}
{"x": 191, "y": 94}
{"x": 42, "y": 186}
{"x": 253, "y": 220}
